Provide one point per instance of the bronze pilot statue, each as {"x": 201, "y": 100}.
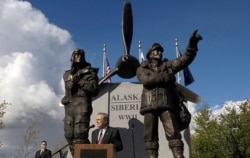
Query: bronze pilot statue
{"x": 81, "y": 83}
{"x": 160, "y": 100}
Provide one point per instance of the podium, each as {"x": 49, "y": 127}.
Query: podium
{"x": 94, "y": 151}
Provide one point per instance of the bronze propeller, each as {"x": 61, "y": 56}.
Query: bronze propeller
{"x": 127, "y": 64}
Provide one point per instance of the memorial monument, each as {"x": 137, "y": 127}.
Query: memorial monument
{"x": 156, "y": 96}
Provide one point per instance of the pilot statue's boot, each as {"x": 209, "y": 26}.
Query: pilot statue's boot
{"x": 152, "y": 153}
{"x": 152, "y": 149}
{"x": 177, "y": 148}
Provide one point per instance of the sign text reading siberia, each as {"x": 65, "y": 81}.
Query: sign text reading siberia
{"x": 128, "y": 104}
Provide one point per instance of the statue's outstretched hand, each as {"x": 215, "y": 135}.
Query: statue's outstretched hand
{"x": 194, "y": 39}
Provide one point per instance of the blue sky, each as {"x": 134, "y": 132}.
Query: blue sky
{"x": 221, "y": 67}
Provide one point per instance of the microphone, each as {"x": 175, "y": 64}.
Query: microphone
{"x": 86, "y": 129}
{"x": 92, "y": 126}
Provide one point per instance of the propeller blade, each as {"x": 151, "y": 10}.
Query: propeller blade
{"x": 127, "y": 26}
{"x": 188, "y": 94}
{"x": 126, "y": 65}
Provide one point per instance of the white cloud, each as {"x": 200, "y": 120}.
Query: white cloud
{"x": 33, "y": 56}
{"x": 227, "y": 104}
{"x": 216, "y": 111}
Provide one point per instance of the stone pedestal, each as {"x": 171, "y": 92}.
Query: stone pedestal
{"x": 122, "y": 102}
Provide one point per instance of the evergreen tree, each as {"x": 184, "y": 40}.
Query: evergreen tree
{"x": 236, "y": 130}
{"x": 224, "y": 136}
{"x": 204, "y": 141}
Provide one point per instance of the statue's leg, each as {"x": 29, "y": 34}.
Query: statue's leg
{"x": 81, "y": 132}
{"x": 170, "y": 125}
{"x": 151, "y": 135}
{"x": 172, "y": 132}
{"x": 82, "y": 112}
{"x": 69, "y": 132}
{"x": 177, "y": 147}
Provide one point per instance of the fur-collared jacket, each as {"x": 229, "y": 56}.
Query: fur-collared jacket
{"x": 159, "y": 92}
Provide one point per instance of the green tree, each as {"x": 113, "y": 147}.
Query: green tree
{"x": 236, "y": 130}
{"x": 205, "y": 137}
{"x": 224, "y": 136}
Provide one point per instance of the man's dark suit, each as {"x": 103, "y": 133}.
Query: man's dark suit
{"x": 46, "y": 154}
{"x": 111, "y": 136}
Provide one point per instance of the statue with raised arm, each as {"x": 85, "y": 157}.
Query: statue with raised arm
{"x": 81, "y": 84}
{"x": 160, "y": 98}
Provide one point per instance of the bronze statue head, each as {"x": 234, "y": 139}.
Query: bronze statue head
{"x": 78, "y": 56}
{"x": 155, "y": 46}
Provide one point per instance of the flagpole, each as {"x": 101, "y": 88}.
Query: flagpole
{"x": 139, "y": 46}
{"x": 177, "y": 55}
{"x": 104, "y": 59}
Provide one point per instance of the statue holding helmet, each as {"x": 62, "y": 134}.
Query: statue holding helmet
{"x": 81, "y": 84}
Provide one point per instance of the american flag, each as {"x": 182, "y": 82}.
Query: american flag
{"x": 108, "y": 70}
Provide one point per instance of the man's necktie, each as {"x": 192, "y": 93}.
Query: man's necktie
{"x": 100, "y": 137}
{"x": 41, "y": 152}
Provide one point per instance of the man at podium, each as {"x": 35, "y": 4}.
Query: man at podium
{"x": 106, "y": 134}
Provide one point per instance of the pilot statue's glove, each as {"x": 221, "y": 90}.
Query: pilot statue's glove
{"x": 193, "y": 41}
